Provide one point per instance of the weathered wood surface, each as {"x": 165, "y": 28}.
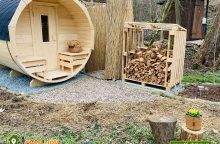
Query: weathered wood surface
{"x": 163, "y": 128}
{"x": 197, "y": 29}
{"x": 189, "y": 135}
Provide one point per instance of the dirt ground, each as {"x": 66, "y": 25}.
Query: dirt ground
{"x": 208, "y": 92}
{"x": 22, "y": 115}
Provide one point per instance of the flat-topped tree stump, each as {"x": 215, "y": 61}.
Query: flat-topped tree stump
{"x": 189, "y": 135}
{"x": 163, "y": 128}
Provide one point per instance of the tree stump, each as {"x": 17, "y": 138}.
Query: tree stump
{"x": 163, "y": 128}
{"x": 189, "y": 135}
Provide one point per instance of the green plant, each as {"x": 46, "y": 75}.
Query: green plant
{"x": 194, "y": 113}
{"x": 198, "y": 77}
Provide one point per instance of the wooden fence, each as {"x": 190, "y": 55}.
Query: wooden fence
{"x": 118, "y": 11}
{"x": 108, "y": 20}
{"x": 98, "y": 15}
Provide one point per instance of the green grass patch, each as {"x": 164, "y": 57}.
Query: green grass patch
{"x": 93, "y": 135}
{"x": 96, "y": 134}
{"x": 198, "y": 77}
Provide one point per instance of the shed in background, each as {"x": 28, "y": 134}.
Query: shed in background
{"x": 192, "y": 14}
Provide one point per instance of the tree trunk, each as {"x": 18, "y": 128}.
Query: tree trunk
{"x": 210, "y": 49}
{"x": 163, "y": 128}
{"x": 188, "y": 135}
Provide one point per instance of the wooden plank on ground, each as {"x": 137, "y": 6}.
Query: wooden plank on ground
{"x": 37, "y": 83}
{"x": 2, "y": 67}
{"x": 14, "y": 73}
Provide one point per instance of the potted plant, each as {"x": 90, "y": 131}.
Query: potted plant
{"x": 194, "y": 120}
{"x": 74, "y": 46}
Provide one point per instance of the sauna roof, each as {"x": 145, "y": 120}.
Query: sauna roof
{"x": 7, "y": 10}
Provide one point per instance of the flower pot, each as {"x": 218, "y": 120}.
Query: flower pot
{"x": 194, "y": 123}
{"x": 74, "y": 46}
{"x": 75, "y": 49}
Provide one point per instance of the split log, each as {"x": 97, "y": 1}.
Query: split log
{"x": 163, "y": 128}
{"x": 189, "y": 135}
{"x": 147, "y": 65}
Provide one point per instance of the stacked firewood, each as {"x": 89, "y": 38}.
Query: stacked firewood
{"x": 147, "y": 65}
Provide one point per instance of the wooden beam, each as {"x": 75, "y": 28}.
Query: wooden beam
{"x": 37, "y": 83}
{"x": 2, "y": 67}
{"x": 14, "y": 73}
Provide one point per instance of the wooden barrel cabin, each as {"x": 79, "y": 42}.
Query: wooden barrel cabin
{"x": 34, "y": 36}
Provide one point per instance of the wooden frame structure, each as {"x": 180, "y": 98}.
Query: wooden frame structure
{"x": 133, "y": 38}
{"x": 47, "y": 60}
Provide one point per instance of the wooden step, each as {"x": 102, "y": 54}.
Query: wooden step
{"x": 34, "y": 64}
{"x": 56, "y": 74}
{"x": 31, "y": 59}
{"x": 36, "y": 69}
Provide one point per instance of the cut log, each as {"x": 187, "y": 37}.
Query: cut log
{"x": 163, "y": 128}
{"x": 147, "y": 65}
{"x": 189, "y": 135}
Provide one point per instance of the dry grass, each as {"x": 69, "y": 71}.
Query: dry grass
{"x": 24, "y": 115}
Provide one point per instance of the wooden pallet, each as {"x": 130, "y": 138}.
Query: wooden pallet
{"x": 151, "y": 85}
{"x": 53, "y": 75}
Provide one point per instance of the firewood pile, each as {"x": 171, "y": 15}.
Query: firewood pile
{"x": 147, "y": 65}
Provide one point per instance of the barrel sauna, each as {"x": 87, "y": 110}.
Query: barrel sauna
{"x": 34, "y": 36}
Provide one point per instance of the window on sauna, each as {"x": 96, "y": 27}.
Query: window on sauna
{"x": 45, "y": 28}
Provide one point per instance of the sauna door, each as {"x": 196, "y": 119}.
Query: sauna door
{"x": 45, "y": 34}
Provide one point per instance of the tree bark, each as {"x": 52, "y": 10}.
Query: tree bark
{"x": 210, "y": 46}
{"x": 188, "y": 135}
{"x": 163, "y": 128}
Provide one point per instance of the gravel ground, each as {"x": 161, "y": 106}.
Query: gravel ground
{"x": 20, "y": 85}
{"x": 89, "y": 89}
